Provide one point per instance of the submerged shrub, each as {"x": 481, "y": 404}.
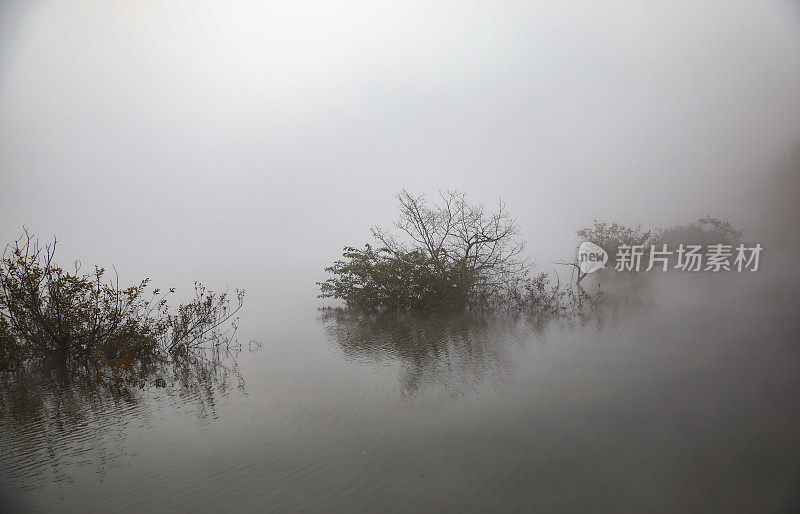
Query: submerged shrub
{"x": 395, "y": 281}
{"x": 705, "y": 231}
{"x": 12, "y": 350}
{"x": 452, "y": 256}
{"x": 46, "y": 311}
{"x": 610, "y": 236}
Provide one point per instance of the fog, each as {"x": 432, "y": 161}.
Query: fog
{"x": 246, "y": 143}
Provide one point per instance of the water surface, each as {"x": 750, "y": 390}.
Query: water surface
{"x": 683, "y": 397}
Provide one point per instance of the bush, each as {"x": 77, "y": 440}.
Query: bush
{"x": 370, "y": 279}
{"x": 46, "y": 311}
{"x": 705, "y": 231}
{"x": 455, "y": 256}
{"x": 610, "y": 236}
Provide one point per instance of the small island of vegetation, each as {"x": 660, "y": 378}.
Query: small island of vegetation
{"x": 450, "y": 255}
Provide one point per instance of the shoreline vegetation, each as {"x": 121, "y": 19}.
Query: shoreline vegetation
{"x": 88, "y": 322}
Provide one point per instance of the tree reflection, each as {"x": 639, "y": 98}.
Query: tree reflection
{"x": 454, "y": 351}
{"x": 457, "y": 351}
{"x": 55, "y": 420}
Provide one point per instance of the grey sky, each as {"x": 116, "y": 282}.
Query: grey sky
{"x": 183, "y": 139}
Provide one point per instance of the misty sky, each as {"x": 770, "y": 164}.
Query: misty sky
{"x": 233, "y": 139}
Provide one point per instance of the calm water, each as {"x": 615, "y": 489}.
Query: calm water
{"x": 686, "y": 397}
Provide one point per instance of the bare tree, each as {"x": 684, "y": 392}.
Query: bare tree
{"x": 455, "y": 233}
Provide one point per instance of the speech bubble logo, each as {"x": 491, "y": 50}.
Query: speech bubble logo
{"x": 591, "y": 257}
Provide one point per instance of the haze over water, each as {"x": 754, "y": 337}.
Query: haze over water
{"x": 676, "y": 401}
{"x": 245, "y": 144}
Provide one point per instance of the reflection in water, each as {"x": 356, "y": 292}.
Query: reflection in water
{"x": 457, "y": 350}
{"x": 689, "y": 385}
{"x": 450, "y": 350}
{"x": 56, "y": 421}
